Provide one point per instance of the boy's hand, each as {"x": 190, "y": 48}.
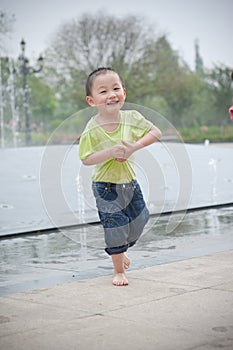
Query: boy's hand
{"x": 129, "y": 149}
{"x": 118, "y": 152}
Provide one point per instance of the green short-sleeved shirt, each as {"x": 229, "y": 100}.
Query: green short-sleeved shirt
{"x": 94, "y": 138}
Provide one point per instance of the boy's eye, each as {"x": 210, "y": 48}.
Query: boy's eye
{"x": 102, "y": 91}
{"x": 116, "y": 88}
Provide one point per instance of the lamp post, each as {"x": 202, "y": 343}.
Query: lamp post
{"x": 26, "y": 69}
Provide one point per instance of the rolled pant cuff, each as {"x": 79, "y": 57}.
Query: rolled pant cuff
{"x": 119, "y": 250}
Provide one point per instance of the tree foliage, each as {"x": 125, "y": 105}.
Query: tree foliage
{"x": 88, "y": 42}
{"x": 42, "y": 102}
{"x": 221, "y": 88}
{"x": 154, "y": 72}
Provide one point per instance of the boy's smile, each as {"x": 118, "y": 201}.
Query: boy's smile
{"x": 107, "y": 91}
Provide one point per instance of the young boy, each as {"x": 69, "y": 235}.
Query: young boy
{"x": 108, "y": 142}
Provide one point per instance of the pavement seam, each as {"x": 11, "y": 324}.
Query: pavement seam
{"x": 166, "y": 282}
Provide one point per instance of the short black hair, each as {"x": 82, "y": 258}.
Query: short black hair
{"x": 95, "y": 73}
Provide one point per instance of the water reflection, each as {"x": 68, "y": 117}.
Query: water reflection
{"x": 43, "y": 260}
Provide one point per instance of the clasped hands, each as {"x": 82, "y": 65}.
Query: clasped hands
{"x": 122, "y": 152}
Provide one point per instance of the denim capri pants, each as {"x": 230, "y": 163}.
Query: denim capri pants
{"x": 122, "y": 212}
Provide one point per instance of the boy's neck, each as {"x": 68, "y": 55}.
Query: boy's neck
{"x": 108, "y": 122}
{"x": 109, "y": 117}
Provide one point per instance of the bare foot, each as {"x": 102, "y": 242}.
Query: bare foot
{"x": 119, "y": 262}
{"x": 126, "y": 261}
{"x": 120, "y": 280}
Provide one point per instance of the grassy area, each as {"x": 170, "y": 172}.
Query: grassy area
{"x": 212, "y": 133}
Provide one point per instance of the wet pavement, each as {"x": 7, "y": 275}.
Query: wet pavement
{"x": 38, "y": 261}
{"x": 47, "y": 187}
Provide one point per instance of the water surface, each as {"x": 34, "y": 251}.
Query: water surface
{"x": 40, "y": 261}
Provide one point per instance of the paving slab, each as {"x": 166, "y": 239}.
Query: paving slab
{"x": 185, "y": 305}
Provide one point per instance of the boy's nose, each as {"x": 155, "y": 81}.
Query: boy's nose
{"x": 112, "y": 94}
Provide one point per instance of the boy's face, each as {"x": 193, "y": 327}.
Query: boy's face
{"x": 107, "y": 93}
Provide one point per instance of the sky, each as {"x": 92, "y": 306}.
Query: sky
{"x": 183, "y": 21}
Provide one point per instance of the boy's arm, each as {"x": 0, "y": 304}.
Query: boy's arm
{"x": 116, "y": 151}
{"x": 153, "y": 135}
{"x": 124, "y": 151}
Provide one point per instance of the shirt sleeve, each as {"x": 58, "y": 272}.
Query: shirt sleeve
{"x": 140, "y": 125}
{"x": 85, "y": 146}
{"x": 87, "y": 143}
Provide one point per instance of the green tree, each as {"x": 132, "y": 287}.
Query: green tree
{"x": 91, "y": 41}
{"x": 219, "y": 79}
{"x": 155, "y": 74}
{"x": 42, "y": 103}
{"x": 200, "y": 112}
{"x": 168, "y": 77}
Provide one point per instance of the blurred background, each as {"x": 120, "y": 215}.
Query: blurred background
{"x": 175, "y": 57}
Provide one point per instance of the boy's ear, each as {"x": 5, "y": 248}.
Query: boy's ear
{"x": 90, "y": 101}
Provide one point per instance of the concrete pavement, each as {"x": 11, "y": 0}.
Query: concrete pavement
{"x": 185, "y": 305}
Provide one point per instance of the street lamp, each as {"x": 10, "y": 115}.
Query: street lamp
{"x": 26, "y": 69}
